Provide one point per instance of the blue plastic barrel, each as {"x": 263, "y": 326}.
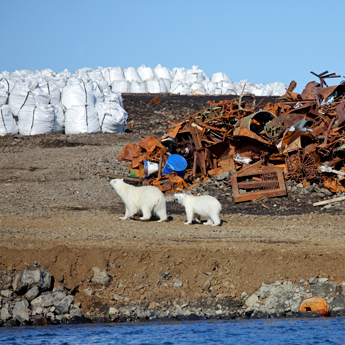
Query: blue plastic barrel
{"x": 175, "y": 163}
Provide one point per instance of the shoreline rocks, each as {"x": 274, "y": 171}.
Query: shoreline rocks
{"x": 29, "y": 298}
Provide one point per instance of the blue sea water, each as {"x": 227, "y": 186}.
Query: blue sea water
{"x": 273, "y": 331}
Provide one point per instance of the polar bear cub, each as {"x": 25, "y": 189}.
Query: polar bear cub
{"x": 148, "y": 199}
{"x": 204, "y": 206}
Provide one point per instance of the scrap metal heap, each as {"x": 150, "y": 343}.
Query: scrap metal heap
{"x": 299, "y": 137}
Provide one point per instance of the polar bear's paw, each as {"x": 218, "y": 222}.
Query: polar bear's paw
{"x": 123, "y": 218}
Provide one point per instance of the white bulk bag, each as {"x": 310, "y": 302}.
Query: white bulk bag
{"x": 167, "y": 83}
{"x": 220, "y": 77}
{"x": 22, "y": 74}
{"x": 97, "y": 91}
{"x": 146, "y": 73}
{"x": 4, "y": 90}
{"x": 209, "y": 86}
{"x": 45, "y": 73}
{"x": 65, "y": 74}
{"x": 156, "y": 86}
{"x": 163, "y": 72}
{"x": 77, "y": 93}
{"x": 228, "y": 88}
{"x": 7, "y": 122}
{"x": 279, "y": 89}
{"x": 112, "y": 117}
{"x": 132, "y": 74}
{"x": 179, "y": 74}
{"x": 181, "y": 88}
{"x": 123, "y": 86}
{"x": 59, "y": 119}
{"x": 116, "y": 73}
{"x": 138, "y": 87}
{"x": 198, "y": 87}
{"x": 83, "y": 73}
{"x": 113, "y": 96}
{"x": 194, "y": 75}
{"x": 36, "y": 119}
{"x": 20, "y": 93}
{"x": 81, "y": 119}
{"x": 106, "y": 75}
{"x": 96, "y": 75}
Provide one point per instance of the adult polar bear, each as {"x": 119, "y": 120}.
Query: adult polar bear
{"x": 204, "y": 206}
{"x": 148, "y": 199}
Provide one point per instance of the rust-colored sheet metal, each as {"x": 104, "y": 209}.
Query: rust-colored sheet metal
{"x": 150, "y": 144}
{"x": 245, "y": 132}
{"x": 340, "y": 109}
{"x": 272, "y": 185}
{"x": 129, "y": 152}
{"x": 169, "y": 183}
{"x": 333, "y": 184}
{"x": 327, "y": 91}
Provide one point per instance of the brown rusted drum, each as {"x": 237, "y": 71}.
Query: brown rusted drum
{"x": 315, "y": 304}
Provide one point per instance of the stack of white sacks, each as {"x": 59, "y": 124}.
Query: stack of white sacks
{"x": 90, "y": 101}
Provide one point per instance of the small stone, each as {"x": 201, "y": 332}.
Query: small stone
{"x": 88, "y": 291}
{"x": 322, "y": 280}
{"x": 207, "y": 285}
{"x": 277, "y": 283}
{"x": 139, "y": 287}
{"x": 7, "y": 293}
{"x": 223, "y": 176}
{"x": 38, "y": 310}
{"x": 244, "y": 295}
{"x": 113, "y": 311}
{"x": 177, "y": 284}
{"x": 100, "y": 277}
{"x": 251, "y": 300}
{"x": 313, "y": 280}
{"x": 301, "y": 281}
{"x": 153, "y": 305}
{"x": 76, "y": 312}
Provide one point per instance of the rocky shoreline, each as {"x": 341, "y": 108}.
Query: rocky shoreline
{"x": 30, "y": 297}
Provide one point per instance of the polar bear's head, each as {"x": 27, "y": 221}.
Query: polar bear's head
{"x": 179, "y": 197}
{"x": 115, "y": 181}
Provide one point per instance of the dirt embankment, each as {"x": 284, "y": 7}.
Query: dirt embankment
{"x": 55, "y": 208}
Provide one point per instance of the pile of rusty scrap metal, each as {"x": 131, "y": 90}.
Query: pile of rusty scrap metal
{"x": 299, "y": 137}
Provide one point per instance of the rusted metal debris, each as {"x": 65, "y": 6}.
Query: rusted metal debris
{"x": 291, "y": 139}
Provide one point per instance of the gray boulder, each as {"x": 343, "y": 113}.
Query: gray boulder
{"x": 100, "y": 277}
{"x": 63, "y": 306}
{"x": 21, "y": 311}
{"x": 76, "y": 312}
{"x": 30, "y": 277}
{"x": 5, "y": 279}
{"x": 5, "y": 314}
{"x": 48, "y": 299}
{"x": 32, "y": 293}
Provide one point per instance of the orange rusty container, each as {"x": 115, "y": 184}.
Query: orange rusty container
{"x": 314, "y": 303}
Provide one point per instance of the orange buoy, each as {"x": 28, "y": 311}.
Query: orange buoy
{"x": 313, "y": 303}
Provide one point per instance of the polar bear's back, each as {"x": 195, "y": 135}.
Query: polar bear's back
{"x": 148, "y": 195}
{"x": 203, "y": 205}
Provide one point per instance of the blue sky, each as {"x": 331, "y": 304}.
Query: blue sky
{"x": 262, "y": 41}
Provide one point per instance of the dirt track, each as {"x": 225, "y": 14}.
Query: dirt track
{"x": 55, "y": 208}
